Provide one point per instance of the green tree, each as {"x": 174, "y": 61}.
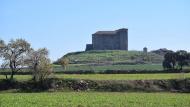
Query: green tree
{"x": 182, "y": 58}
{"x": 169, "y": 60}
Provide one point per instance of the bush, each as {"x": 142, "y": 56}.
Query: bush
{"x": 173, "y": 85}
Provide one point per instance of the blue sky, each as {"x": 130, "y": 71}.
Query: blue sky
{"x": 65, "y": 26}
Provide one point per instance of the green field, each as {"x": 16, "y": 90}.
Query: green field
{"x": 126, "y": 76}
{"x": 94, "y": 99}
{"x": 113, "y": 56}
{"x": 138, "y": 67}
{"x": 85, "y": 67}
{"x": 112, "y": 76}
{"x": 78, "y": 67}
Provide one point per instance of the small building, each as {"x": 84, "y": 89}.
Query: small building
{"x": 145, "y": 50}
{"x": 89, "y": 47}
{"x": 109, "y": 40}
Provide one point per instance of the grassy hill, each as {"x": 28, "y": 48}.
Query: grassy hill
{"x": 112, "y": 57}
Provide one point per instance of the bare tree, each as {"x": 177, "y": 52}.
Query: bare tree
{"x": 64, "y": 63}
{"x": 40, "y": 64}
{"x": 2, "y": 46}
{"x": 13, "y": 54}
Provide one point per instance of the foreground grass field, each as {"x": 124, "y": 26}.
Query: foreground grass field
{"x": 94, "y": 99}
{"x": 112, "y": 76}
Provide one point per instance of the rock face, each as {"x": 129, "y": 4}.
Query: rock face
{"x": 109, "y": 40}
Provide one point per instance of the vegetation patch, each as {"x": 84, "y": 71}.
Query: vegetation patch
{"x": 172, "y": 85}
{"x": 94, "y": 99}
{"x": 161, "y": 76}
{"x": 158, "y": 76}
{"x": 112, "y": 57}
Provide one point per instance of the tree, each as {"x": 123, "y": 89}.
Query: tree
{"x": 64, "y": 62}
{"x": 39, "y": 63}
{"x": 2, "y": 44}
{"x": 169, "y": 60}
{"x": 166, "y": 65}
{"x": 188, "y": 58}
{"x": 182, "y": 58}
{"x": 2, "y": 47}
{"x": 13, "y": 54}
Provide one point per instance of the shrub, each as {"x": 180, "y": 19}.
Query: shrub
{"x": 64, "y": 62}
{"x": 40, "y": 64}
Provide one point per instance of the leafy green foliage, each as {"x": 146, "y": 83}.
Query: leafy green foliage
{"x": 171, "y": 58}
{"x": 182, "y": 58}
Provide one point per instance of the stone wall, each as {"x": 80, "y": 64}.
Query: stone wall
{"x": 105, "y": 42}
{"x": 123, "y": 34}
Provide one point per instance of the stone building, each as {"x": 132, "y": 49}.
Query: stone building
{"x": 145, "y": 50}
{"x": 109, "y": 40}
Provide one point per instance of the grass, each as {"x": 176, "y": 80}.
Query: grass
{"x": 126, "y": 76}
{"x": 76, "y": 67}
{"x": 138, "y": 67}
{"x": 18, "y": 77}
{"x": 85, "y": 67}
{"x": 94, "y": 99}
{"x": 111, "y": 76}
{"x": 113, "y": 56}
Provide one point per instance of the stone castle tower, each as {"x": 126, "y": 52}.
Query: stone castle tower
{"x": 109, "y": 40}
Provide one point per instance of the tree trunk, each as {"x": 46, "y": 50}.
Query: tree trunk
{"x": 12, "y": 71}
{"x": 181, "y": 68}
{"x": 6, "y": 77}
{"x": 35, "y": 71}
{"x": 65, "y": 67}
{"x": 12, "y": 74}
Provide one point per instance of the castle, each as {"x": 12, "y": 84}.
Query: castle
{"x": 109, "y": 40}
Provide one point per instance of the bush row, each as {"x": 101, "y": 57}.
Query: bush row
{"x": 104, "y": 72}
{"x": 172, "y": 85}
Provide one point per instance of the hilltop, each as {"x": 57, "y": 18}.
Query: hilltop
{"x": 112, "y": 57}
